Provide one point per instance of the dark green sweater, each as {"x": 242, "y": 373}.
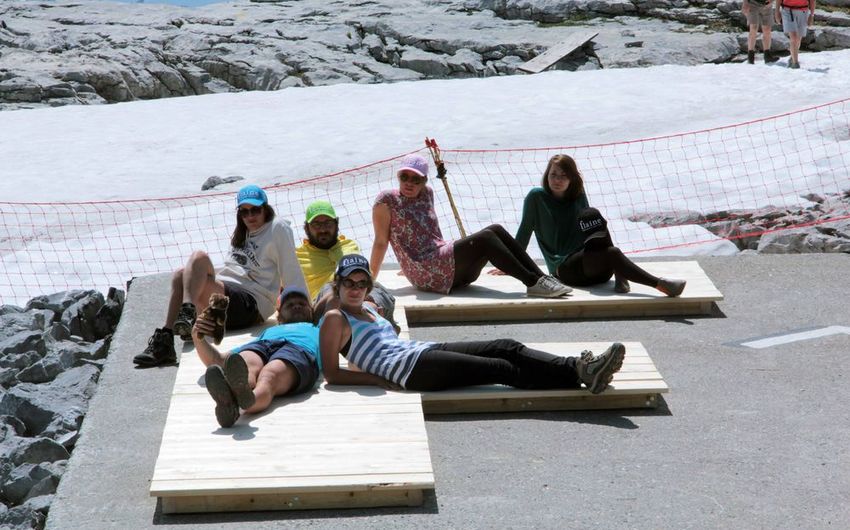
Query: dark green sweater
{"x": 554, "y": 223}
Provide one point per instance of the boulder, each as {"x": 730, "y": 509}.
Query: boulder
{"x": 55, "y": 407}
{"x": 80, "y": 316}
{"x": 21, "y": 450}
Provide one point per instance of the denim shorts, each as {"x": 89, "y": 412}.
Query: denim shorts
{"x": 242, "y": 309}
{"x": 795, "y": 21}
{"x": 304, "y": 363}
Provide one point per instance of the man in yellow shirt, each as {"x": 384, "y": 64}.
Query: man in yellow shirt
{"x": 319, "y": 255}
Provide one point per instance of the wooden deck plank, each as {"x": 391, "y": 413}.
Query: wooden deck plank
{"x": 502, "y": 298}
{"x": 332, "y": 448}
{"x": 557, "y": 52}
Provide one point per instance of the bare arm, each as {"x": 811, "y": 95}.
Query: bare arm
{"x": 381, "y": 222}
{"x": 333, "y": 335}
{"x": 207, "y": 352}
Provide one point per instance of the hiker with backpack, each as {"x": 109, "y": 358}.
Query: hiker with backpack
{"x": 759, "y": 13}
{"x": 796, "y": 16}
{"x": 261, "y": 262}
{"x": 574, "y": 238}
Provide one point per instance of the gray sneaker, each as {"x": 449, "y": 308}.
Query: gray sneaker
{"x": 597, "y": 371}
{"x": 671, "y": 287}
{"x": 226, "y": 410}
{"x": 236, "y": 373}
{"x": 547, "y": 287}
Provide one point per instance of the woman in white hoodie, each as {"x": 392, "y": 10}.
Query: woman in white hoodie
{"x": 261, "y": 262}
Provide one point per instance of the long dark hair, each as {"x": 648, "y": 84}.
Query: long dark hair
{"x": 240, "y": 233}
{"x": 569, "y": 167}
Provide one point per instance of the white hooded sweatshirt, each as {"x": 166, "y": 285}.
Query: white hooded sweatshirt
{"x": 264, "y": 265}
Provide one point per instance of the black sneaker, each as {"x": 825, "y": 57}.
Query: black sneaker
{"x": 185, "y": 320}
{"x": 597, "y": 371}
{"x": 770, "y": 57}
{"x": 751, "y": 57}
{"x": 236, "y": 372}
{"x": 160, "y": 350}
{"x": 226, "y": 410}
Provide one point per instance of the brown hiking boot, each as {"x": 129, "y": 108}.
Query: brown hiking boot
{"x": 236, "y": 373}
{"x": 226, "y": 410}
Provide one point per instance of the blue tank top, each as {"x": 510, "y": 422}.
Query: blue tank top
{"x": 376, "y": 349}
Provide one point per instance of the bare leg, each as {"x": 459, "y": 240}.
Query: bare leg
{"x": 794, "y": 37}
{"x": 751, "y": 37}
{"x": 199, "y": 281}
{"x": 175, "y": 299}
{"x": 765, "y": 38}
{"x": 275, "y": 379}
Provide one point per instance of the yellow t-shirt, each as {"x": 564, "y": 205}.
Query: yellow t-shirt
{"x": 319, "y": 265}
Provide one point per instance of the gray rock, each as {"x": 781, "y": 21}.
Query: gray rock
{"x": 8, "y": 377}
{"x": 107, "y": 317}
{"x": 55, "y": 407}
{"x": 31, "y": 480}
{"x": 663, "y": 219}
{"x": 22, "y": 518}
{"x": 58, "y": 331}
{"x": 19, "y": 361}
{"x": 21, "y": 450}
{"x": 8, "y": 308}
{"x": 40, "y": 504}
{"x": 214, "y": 181}
{"x": 57, "y": 302}
{"x": 427, "y": 63}
{"x": 11, "y": 426}
{"x": 80, "y": 316}
{"x": 22, "y": 341}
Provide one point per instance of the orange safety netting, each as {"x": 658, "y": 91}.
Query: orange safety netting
{"x": 48, "y": 247}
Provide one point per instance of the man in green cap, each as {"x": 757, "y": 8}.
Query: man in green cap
{"x": 319, "y": 255}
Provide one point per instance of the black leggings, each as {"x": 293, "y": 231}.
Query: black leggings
{"x": 503, "y": 361}
{"x": 594, "y": 266}
{"x": 496, "y": 245}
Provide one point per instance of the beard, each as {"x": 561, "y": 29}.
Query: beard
{"x": 324, "y": 246}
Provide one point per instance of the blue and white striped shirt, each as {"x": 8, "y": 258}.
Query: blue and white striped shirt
{"x": 376, "y": 349}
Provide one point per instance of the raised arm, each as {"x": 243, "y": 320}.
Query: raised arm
{"x": 333, "y": 335}
{"x": 381, "y": 222}
{"x": 207, "y": 352}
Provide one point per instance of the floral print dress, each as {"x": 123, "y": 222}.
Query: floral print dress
{"x": 425, "y": 258}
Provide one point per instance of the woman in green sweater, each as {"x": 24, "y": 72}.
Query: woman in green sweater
{"x": 573, "y": 237}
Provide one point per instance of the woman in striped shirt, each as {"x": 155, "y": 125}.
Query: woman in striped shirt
{"x": 394, "y": 363}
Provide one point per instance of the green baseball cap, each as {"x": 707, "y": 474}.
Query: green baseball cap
{"x": 318, "y": 208}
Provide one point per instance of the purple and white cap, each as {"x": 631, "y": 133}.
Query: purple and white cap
{"x": 415, "y": 163}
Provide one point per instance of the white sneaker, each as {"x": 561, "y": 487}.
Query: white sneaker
{"x": 547, "y": 287}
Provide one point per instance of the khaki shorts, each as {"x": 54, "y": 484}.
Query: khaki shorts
{"x": 760, "y": 15}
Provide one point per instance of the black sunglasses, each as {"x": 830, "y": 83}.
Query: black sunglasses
{"x": 351, "y": 284}
{"x": 415, "y": 179}
{"x": 253, "y": 210}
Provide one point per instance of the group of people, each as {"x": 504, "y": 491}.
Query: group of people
{"x": 329, "y": 302}
{"x": 795, "y": 16}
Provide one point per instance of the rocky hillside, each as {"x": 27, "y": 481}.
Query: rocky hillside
{"x": 60, "y": 53}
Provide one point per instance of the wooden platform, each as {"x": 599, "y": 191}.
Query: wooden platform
{"x": 557, "y": 52}
{"x": 334, "y": 448}
{"x": 342, "y": 447}
{"x": 502, "y": 298}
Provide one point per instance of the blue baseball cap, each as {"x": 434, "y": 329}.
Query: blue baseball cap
{"x": 251, "y": 194}
{"x": 352, "y": 262}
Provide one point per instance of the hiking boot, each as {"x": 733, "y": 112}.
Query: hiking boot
{"x": 622, "y": 285}
{"x": 236, "y": 372}
{"x": 184, "y": 322}
{"x": 226, "y": 410}
{"x": 547, "y": 287}
{"x": 160, "y": 350}
{"x": 671, "y": 287}
{"x": 597, "y": 371}
{"x": 751, "y": 57}
{"x": 770, "y": 57}
{"x": 794, "y": 65}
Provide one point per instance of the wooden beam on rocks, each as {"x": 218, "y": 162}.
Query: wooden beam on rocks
{"x": 557, "y": 52}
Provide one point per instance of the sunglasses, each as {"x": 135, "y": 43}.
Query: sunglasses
{"x": 351, "y": 284}
{"x": 415, "y": 179}
{"x": 253, "y": 210}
